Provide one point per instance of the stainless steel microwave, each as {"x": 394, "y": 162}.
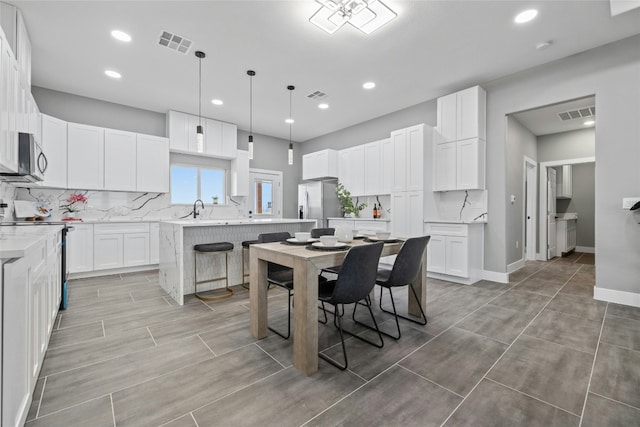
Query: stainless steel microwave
{"x": 32, "y": 163}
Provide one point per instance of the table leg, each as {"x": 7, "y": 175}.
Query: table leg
{"x": 258, "y": 296}
{"x": 305, "y": 317}
{"x": 420, "y": 285}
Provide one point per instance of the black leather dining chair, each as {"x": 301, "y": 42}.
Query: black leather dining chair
{"x": 317, "y": 232}
{"x": 356, "y": 279}
{"x": 279, "y": 275}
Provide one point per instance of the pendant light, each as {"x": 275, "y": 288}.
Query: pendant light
{"x": 199, "y": 133}
{"x": 291, "y": 88}
{"x": 251, "y": 73}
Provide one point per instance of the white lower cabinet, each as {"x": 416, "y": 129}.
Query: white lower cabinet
{"x": 135, "y": 249}
{"x": 107, "y": 250}
{"x": 80, "y": 248}
{"x": 362, "y": 225}
{"x": 566, "y": 236}
{"x": 120, "y": 245}
{"x": 455, "y": 251}
{"x": 154, "y": 243}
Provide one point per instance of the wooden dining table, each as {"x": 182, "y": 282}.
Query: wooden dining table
{"x": 307, "y": 264}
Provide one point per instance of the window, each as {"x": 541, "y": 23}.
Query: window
{"x": 189, "y": 183}
{"x": 263, "y": 194}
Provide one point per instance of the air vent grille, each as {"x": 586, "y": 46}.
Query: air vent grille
{"x": 317, "y": 95}
{"x": 577, "y": 114}
{"x": 175, "y": 42}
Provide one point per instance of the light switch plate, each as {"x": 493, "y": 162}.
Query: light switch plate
{"x": 627, "y": 202}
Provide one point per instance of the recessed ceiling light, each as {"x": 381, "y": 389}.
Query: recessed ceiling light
{"x": 525, "y": 16}
{"x": 113, "y": 74}
{"x": 369, "y": 85}
{"x": 289, "y": 121}
{"x": 590, "y": 122}
{"x": 120, "y": 35}
{"x": 323, "y": 106}
{"x": 217, "y": 102}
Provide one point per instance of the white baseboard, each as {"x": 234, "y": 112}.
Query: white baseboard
{"x": 515, "y": 266}
{"x": 618, "y": 297}
{"x": 495, "y": 276}
{"x": 97, "y": 273}
{"x": 586, "y": 249}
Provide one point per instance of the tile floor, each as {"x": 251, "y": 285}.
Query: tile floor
{"x": 538, "y": 351}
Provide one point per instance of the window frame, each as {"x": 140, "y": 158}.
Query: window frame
{"x": 199, "y": 167}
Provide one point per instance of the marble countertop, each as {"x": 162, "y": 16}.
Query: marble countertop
{"x": 245, "y": 221}
{"x": 455, "y": 221}
{"x": 362, "y": 219}
{"x": 16, "y": 241}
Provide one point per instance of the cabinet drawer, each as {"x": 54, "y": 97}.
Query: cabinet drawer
{"x": 446, "y": 229}
{"x": 370, "y": 225}
{"x": 121, "y": 228}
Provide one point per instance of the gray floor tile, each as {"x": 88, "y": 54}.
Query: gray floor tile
{"x": 397, "y": 397}
{"x": 183, "y": 421}
{"x": 457, "y": 359}
{"x": 549, "y": 275}
{"x": 452, "y": 307}
{"x": 500, "y": 324}
{"x": 223, "y": 340}
{"x": 35, "y": 400}
{"x": 616, "y": 374}
{"x": 76, "y": 386}
{"x": 578, "y": 288}
{"x": 436, "y": 289}
{"x": 524, "y": 302}
{"x": 624, "y": 311}
{"x": 89, "y": 303}
{"x": 565, "y": 329}
{"x": 94, "y": 413}
{"x": 75, "y": 334}
{"x": 523, "y": 273}
{"x": 491, "y": 286}
{"x": 584, "y": 307}
{"x": 492, "y": 404}
{"x": 539, "y": 286}
{"x": 284, "y": 399}
{"x": 151, "y": 292}
{"x": 621, "y": 332}
{"x": 164, "y": 398}
{"x": 604, "y": 412}
{"x": 75, "y": 356}
{"x": 550, "y": 372}
{"x": 74, "y": 316}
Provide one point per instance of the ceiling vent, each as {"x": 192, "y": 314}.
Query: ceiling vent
{"x": 317, "y": 95}
{"x": 577, "y": 114}
{"x": 175, "y": 42}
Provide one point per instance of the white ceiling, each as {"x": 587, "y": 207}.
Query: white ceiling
{"x": 432, "y": 48}
{"x": 545, "y": 120}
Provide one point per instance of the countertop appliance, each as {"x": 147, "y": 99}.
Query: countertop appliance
{"x": 32, "y": 163}
{"x": 318, "y": 200}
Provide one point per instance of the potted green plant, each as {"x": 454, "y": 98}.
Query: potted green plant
{"x": 346, "y": 202}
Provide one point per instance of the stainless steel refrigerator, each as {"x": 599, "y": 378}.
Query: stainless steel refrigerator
{"x": 318, "y": 200}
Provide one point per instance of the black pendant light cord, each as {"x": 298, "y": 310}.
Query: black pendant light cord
{"x": 200, "y": 91}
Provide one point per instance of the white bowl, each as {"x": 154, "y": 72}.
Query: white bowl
{"x": 329, "y": 240}
{"x": 382, "y": 235}
{"x": 302, "y": 236}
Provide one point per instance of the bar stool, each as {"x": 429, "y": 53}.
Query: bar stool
{"x": 245, "y": 250}
{"x": 218, "y": 248}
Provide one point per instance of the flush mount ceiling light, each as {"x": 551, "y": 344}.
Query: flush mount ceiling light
{"x": 199, "y": 132}
{"x": 217, "y": 102}
{"x": 589, "y": 122}
{"x": 290, "y": 152}
{"x": 526, "y": 16}
{"x": 251, "y": 73}
{"x": 113, "y": 74}
{"x": 323, "y": 106}
{"x": 365, "y": 15}
{"x": 120, "y": 35}
{"x": 369, "y": 85}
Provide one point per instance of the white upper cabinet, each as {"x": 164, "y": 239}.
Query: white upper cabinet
{"x": 212, "y": 136}
{"x": 444, "y": 167}
{"x": 373, "y": 168}
{"x": 387, "y": 162}
{"x": 240, "y": 174}
{"x": 54, "y": 146}
{"x": 23, "y": 50}
{"x": 8, "y": 105}
{"x": 229, "y": 141}
{"x": 564, "y": 182}
{"x": 119, "y": 160}
{"x": 408, "y": 162}
{"x": 470, "y": 163}
{"x": 152, "y": 164}
{"x": 321, "y": 164}
{"x": 344, "y": 173}
{"x": 356, "y": 165}
{"x": 220, "y": 138}
{"x": 462, "y": 115}
{"x": 85, "y": 157}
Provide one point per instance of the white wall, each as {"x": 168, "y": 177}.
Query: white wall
{"x": 567, "y": 145}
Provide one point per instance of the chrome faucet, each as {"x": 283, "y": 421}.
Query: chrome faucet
{"x": 195, "y": 208}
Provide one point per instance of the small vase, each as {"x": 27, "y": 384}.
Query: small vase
{"x": 348, "y": 215}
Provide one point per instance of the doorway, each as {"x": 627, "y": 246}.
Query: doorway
{"x": 265, "y": 193}
{"x": 530, "y": 208}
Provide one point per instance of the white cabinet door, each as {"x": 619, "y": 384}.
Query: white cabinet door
{"x": 399, "y": 139}
{"x": 229, "y": 141}
{"x": 85, "y": 157}
{"x": 447, "y": 117}
{"x": 457, "y": 256}
{"x": 399, "y": 214}
{"x": 444, "y": 167}
{"x": 415, "y": 158}
{"x": 154, "y": 243}
{"x": 212, "y": 137}
{"x": 108, "y": 251}
{"x": 80, "y": 248}
{"x": 371, "y": 226}
{"x": 387, "y": 163}
{"x": 344, "y": 172}
{"x": 240, "y": 174}
{"x": 177, "y": 131}
{"x": 467, "y": 113}
{"x": 373, "y": 168}
{"x": 119, "y": 160}
{"x": 152, "y": 158}
{"x": 54, "y": 146}
{"x": 414, "y": 214}
{"x": 136, "y": 249}
{"x": 470, "y": 164}
{"x": 8, "y": 95}
{"x": 191, "y": 130}
{"x": 356, "y": 167}
{"x": 436, "y": 253}
{"x": 335, "y": 223}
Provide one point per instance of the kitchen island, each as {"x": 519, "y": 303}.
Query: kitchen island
{"x": 177, "y": 239}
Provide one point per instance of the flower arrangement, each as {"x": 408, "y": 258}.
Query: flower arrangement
{"x": 74, "y": 203}
{"x": 346, "y": 202}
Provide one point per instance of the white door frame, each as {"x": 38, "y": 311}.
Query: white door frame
{"x": 529, "y": 229}
{"x": 542, "y": 255}
{"x": 278, "y": 192}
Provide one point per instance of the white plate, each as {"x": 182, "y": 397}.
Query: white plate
{"x": 323, "y": 246}
{"x": 294, "y": 240}
{"x": 375, "y": 239}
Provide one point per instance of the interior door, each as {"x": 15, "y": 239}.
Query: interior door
{"x": 551, "y": 213}
{"x": 530, "y": 212}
